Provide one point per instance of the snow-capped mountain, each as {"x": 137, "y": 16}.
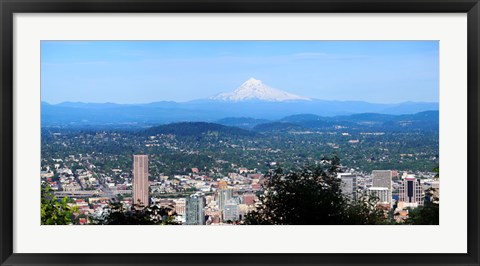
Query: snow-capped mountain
{"x": 254, "y": 89}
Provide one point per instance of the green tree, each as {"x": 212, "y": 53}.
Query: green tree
{"x": 365, "y": 211}
{"x": 53, "y": 210}
{"x": 116, "y": 214}
{"x": 120, "y": 197}
{"x": 429, "y": 214}
{"x": 310, "y": 196}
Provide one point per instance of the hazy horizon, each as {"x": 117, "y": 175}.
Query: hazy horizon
{"x": 141, "y": 103}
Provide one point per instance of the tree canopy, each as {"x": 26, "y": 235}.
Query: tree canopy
{"x": 117, "y": 214}
{"x": 311, "y": 196}
{"x": 53, "y": 210}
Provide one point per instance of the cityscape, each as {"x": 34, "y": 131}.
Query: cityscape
{"x": 250, "y": 155}
{"x": 221, "y": 202}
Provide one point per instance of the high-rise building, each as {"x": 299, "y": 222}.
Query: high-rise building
{"x": 180, "y": 206}
{"x": 411, "y": 192}
{"x": 349, "y": 185}
{"x": 223, "y": 196}
{"x": 381, "y": 193}
{"x": 194, "y": 209}
{"x": 140, "y": 180}
{"x": 231, "y": 212}
{"x": 383, "y": 178}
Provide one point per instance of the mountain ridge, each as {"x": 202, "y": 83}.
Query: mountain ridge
{"x": 303, "y": 123}
{"x": 252, "y": 99}
{"x": 210, "y": 111}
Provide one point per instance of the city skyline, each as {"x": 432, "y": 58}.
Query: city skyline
{"x": 240, "y": 132}
{"x": 149, "y": 71}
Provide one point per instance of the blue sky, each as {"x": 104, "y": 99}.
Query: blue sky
{"x": 150, "y": 71}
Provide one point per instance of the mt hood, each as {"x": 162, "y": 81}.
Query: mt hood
{"x": 254, "y": 89}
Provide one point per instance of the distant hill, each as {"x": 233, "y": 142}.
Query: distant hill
{"x": 278, "y": 126}
{"x": 433, "y": 116}
{"x": 428, "y": 120}
{"x": 241, "y": 122}
{"x": 409, "y": 108}
{"x": 303, "y": 117}
{"x": 74, "y": 113}
{"x": 198, "y": 129}
{"x": 309, "y": 121}
{"x": 365, "y": 117}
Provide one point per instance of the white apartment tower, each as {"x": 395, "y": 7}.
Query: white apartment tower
{"x": 223, "y": 196}
{"x": 349, "y": 185}
{"x": 194, "y": 209}
{"x": 231, "y": 212}
{"x": 383, "y": 178}
{"x": 380, "y": 193}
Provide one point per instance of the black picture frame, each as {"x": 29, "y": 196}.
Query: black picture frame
{"x": 10, "y": 7}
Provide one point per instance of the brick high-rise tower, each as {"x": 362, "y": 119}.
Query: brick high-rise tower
{"x": 140, "y": 180}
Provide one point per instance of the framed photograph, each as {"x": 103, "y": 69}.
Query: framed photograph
{"x": 234, "y": 132}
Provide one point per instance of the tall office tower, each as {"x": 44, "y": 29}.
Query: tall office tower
{"x": 349, "y": 185}
{"x": 223, "y": 196}
{"x": 140, "y": 180}
{"x": 180, "y": 206}
{"x": 383, "y": 178}
{"x": 410, "y": 192}
{"x": 194, "y": 209}
{"x": 381, "y": 193}
{"x": 231, "y": 212}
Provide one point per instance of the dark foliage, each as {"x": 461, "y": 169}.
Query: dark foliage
{"x": 117, "y": 214}
{"x": 311, "y": 196}
{"x": 426, "y": 215}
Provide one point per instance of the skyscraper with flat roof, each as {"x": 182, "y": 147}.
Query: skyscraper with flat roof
{"x": 383, "y": 178}
{"x": 349, "y": 185}
{"x": 380, "y": 193}
{"x": 194, "y": 209}
{"x": 411, "y": 192}
{"x": 140, "y": 180}
{"x": 230, "y": 212}
{"x": 223, "y": 196}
